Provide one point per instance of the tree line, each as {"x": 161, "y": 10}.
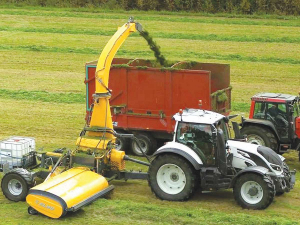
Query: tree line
{"x": 281, "y": 7}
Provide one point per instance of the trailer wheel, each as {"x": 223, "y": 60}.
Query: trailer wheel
{"x": 260, "y": 136}
{"x": 15, "y": 184}
{"x": 122, "y": 143}
{"x": 253, "y": 191}
{"x": 147, "y": 143}
{"x": 172, "y": 178}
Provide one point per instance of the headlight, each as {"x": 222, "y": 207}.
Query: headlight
{"x": 276, "y": 167}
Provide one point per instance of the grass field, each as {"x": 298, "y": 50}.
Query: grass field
{"x": 42, "y": 94}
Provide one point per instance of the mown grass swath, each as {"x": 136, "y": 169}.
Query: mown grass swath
{"x": 122, "y": 52}
{"x": 288, "y": 21}
{"x": 210, "y": 37}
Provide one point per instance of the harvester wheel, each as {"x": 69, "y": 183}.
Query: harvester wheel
{"x": 260, "y": 136}
{"x": 147, "y": 143}
{"x": 253, "y": 191}
{"x": 32, "y": 211}
{"x": 172, "y": 178}
{"x": 15, "y": 184}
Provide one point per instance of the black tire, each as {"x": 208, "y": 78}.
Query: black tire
{"x": 32, "y": 211}
{"x": 257, "y": 134}
{"x": 287, "y": 177}
{"x": 122, "y": 144}
{"x": 16, "y": 183}
{"x": 148, "y": 144}
{"x": 189, "y": 186}
{"x": 264, "y": 182}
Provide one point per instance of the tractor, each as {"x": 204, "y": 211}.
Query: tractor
{"x": 202, "y": 156}
{"x": 274, "y": 122}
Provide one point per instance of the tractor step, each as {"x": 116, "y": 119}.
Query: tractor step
{"x": 211, "y": 178}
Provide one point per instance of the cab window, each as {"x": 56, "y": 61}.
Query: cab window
{"x": 223, "y": 126}
{"x": 259, "y": 110}
{"x": 199, "y": 138}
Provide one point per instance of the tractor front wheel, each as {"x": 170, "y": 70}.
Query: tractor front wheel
{"x": 172, "y": 178}
{"x": 253, "y": 191}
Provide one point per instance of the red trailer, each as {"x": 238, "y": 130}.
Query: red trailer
{"x": 145, "y": 97}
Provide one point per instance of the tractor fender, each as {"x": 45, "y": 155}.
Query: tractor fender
{"x": 264, "y": 123}
{"x": 252, "y": 169}
{"x": 182, "y": 150}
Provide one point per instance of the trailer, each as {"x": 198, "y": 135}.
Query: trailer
{"x": 146, "y": 96}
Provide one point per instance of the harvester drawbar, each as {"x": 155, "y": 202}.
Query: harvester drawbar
{"x": 200, "y": 155}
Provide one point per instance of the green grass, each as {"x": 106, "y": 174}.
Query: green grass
{"x": 145, "y": 54}
{"x": 42, "y": 96}
{"x": 154, "y": 16}
{"x": 42, "y": 56}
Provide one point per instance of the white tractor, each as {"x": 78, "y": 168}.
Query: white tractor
{"x": 201, "y": 156}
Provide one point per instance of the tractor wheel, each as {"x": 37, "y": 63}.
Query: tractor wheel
{"x": 147, "y": 143}
{"x": 253, "y": 191}
{"x": 260, "y": 136}
{"x": 15, "y": 184}
{"x": 172, "y": 178}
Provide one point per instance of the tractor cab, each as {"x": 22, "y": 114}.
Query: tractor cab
{"x": 277, "y": 115}
{"x": 206, "y": 133}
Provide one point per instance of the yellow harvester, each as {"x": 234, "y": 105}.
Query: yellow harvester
{"x": 69, "y": 188}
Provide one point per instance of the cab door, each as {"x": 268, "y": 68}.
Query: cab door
{"x": 278, "y": 113}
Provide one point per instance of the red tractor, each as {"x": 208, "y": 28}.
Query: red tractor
{"x": 274, "y": 121}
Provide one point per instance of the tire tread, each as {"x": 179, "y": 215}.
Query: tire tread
{"x": 265, "y": 202}
{"x": 152, "y": 177}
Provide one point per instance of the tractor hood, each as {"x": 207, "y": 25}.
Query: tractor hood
{"x": 257, "y": 152}
{"x": 269, "y": 155}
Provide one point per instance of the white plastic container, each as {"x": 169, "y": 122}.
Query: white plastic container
{"x": 13, "y": 149}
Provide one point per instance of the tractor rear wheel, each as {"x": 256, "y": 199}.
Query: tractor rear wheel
{"x": 253, "y": 191}
{"x": 172, "y": 178}
{"x": 260, "y": 136}
{"x": 15, "y": 184}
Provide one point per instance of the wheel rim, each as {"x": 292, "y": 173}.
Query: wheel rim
{"x": 118, "y": 145}
{"x": 252, "y": 192}
{"x": 143, "y": 145}
{"x": 255, "y": 139}
{"x": 171, "y": 179}
{"x": 15, "y": 187}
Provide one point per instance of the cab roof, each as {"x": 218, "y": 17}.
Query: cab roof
{"x": 198, "y": 116}
{"x": 274, "y": 97}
